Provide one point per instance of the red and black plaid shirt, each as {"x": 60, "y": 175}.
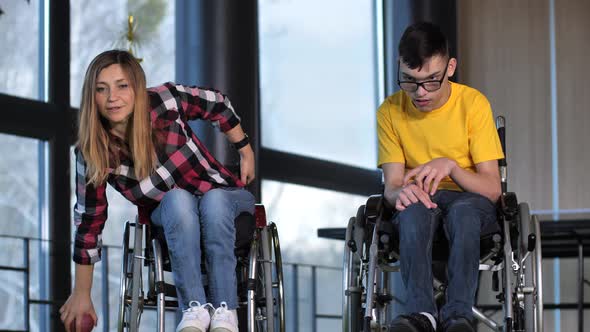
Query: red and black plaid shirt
{"x": 183, "y": 162}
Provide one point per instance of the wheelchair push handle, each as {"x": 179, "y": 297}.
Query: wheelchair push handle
{"x": 501, "y": 126}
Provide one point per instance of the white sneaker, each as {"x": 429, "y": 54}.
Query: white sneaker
{"x": 195, "y": 319}
{"x": 224, "y": 320}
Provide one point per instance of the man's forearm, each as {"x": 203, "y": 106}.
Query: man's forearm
{"x": 482, "y": 184}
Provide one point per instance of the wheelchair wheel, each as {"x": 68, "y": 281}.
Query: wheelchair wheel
{"x": 532, "y": 307}
{"x": 125, "y": 281}
{"x": 525, "y": 308}
{"x": 352, "y": 273}
{"x": 266, "y": 310}
{"x": 278, "y": 285}
{"x": 538, "y": 269}
{"x": 131, "y": 300}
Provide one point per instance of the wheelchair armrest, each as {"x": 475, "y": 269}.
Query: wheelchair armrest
{"x": 373, "y": 206}
{"x": 377, "y": 206}
{"x": 508, "y": 204}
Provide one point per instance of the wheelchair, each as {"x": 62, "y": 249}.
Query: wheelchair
{"x": 261, "y": 304}
{"x": 512, "y": 255}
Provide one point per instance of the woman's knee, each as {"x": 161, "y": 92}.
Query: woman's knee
{"x": 177, "y": 197}
{"x": 225, "y": 202}
{"x": 178, "y": 206}
{"x": 217, "y": 209}
{"x": 215, "y": 199}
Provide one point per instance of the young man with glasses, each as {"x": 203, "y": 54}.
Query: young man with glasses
{"x": 438, "y": 148}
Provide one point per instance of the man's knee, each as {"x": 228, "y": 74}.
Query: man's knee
{"x": 466, "y": 218}
{"x": 417, "y": 221}
{"x": 473, "y": 202}
{"x": 415, "y": 210}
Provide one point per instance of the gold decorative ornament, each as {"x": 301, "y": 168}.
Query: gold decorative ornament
{"x": 131, "y": 39}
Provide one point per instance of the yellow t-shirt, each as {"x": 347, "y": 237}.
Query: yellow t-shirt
{"x": 462, "y": 130}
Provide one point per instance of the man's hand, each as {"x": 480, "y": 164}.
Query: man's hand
{"x": 428, "y": 176}
{"x": 410, "y": 194}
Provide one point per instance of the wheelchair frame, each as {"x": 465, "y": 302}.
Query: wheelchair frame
{"x": 369, "y": 256}
{"x": 259, "y": 276}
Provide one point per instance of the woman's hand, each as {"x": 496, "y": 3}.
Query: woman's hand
{"x": 78, "y": 304}
{"x": 247, "y": 164}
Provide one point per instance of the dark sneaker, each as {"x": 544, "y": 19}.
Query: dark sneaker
{"x": 411, "y": 323}
{"x": 458, "y": 324}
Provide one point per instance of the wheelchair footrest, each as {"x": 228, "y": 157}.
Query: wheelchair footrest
{"x": 163, "y": 287}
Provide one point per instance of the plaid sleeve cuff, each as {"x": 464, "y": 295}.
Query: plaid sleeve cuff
{"x": 87, "y": 251}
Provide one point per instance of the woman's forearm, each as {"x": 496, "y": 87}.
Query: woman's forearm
{"x": 83, "y": 278}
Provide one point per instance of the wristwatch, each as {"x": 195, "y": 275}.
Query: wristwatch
{"x": 240, "y": 144}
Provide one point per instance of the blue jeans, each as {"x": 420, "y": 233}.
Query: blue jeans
{"x": 465, "y": 216}
{"x": 187, "y": 219}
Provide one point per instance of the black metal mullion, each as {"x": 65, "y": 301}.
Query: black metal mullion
{"x": 60, "y": 255}
{"x": 27, "y": 118}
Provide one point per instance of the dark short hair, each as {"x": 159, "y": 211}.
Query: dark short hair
{"x": 420, "y": 42}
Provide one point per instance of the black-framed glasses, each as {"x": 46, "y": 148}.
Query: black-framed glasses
{"x": 430, "y": 86}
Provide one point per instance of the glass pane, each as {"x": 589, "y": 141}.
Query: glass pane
{"x": 19, "y": 180}
{"x": 19, "y": 63}
{"x": 98, "y": 26}
{"x": 299, "y": 211}
{"x": 318, "y": 79}
{"x": 19, "y": 204}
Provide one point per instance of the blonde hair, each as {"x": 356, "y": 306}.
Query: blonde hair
{"x": 93, "y": 137}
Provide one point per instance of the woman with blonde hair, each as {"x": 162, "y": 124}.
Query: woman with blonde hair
{"x": 138, "y": 140}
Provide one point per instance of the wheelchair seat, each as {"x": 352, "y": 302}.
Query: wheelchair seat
{"x": 245, "y": 225}
{"x": 491, "y": 237}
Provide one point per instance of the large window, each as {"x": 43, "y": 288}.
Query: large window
{"x": 22, "y": 166}
{"x": 318, "y": 79}
{"x": 319, "y": 94}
